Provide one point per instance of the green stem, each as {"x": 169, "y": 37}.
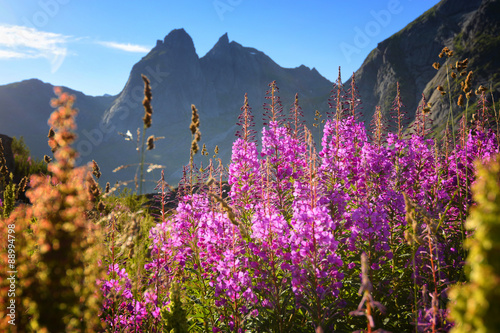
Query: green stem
{"x": 143, "y": 153}
{"x": 466, "y": 161}
{"x": 450, "y": 117}
{"x": 414, "y": 252}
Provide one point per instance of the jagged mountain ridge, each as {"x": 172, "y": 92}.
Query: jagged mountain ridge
{"x": 216, "y": 83}
{"x": 228, "y": 69}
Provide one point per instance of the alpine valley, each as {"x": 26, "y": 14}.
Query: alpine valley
{"x": 217, "y": 82}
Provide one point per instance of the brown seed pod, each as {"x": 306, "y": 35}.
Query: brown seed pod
{"x": 95, "y": 170}
{"x": 151, "y": 142}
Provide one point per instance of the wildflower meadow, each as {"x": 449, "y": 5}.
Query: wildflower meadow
{"x": 380, "y": 228}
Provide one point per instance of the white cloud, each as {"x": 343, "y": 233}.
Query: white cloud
{"x": 5, "y": 54}
{"x": 125, "y": 47}
{"x": 22, "y": 42}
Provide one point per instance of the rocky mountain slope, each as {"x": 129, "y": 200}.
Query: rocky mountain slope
{"x": 25, "y": 108}
{"x": 469, "y": 27}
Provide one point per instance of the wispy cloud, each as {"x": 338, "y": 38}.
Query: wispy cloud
{"x": 125, "y": 47}
{"x": 6, "y": 54}
{"x": 19, "y": 42}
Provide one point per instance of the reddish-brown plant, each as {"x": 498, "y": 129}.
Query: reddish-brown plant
{"x": 55, "y": 242}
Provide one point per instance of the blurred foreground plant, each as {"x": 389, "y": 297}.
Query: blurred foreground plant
{"x": 56, "y": 245}
{"x": 474, "y": 306}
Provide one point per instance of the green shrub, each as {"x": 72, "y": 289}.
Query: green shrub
{"x": 25, "y": 164}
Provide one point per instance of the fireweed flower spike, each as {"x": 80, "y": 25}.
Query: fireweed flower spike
{"x": 336, "y": 102}
{"x": 273, "y": 108}
{"x": 354, "y": 99}
{"x": 398, "y": 113}
{"x": 297, "y": 119}
{"x": 245, "y": 120}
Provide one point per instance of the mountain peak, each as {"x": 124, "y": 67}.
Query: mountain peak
{"x": 224, "y": 39}
{"x": 176, "y": 34}
{"x": 179, "y": 39}
{"x": 221, "y": 48}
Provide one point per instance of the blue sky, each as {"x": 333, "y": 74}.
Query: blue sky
{"x": 92, "y": 45}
